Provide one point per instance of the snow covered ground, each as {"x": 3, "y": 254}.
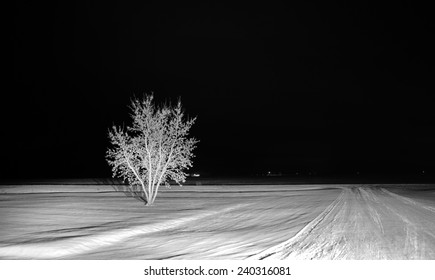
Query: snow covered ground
{"x": 62, "y": 221}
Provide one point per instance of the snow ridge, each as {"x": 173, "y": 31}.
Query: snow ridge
{"x": 80, "y": 245}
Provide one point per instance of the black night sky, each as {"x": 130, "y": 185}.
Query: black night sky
{"x": 330, "y": 88}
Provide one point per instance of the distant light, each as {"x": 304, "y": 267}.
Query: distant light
{"x": 196, "y": 175}
{"x": 422, "y": 171}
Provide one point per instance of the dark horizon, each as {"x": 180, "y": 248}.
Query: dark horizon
{"x": 326, "y": 89}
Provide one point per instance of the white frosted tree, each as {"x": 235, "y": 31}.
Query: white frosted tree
{"x": 154, "y": 150}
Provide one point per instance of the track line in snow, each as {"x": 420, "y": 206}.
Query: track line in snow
{"x": 408, "y": 200}
{"x": 304, "y": 231}
{"x": 363, "y": 223}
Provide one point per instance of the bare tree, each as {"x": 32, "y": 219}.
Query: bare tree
{"x": 154, "y": 150}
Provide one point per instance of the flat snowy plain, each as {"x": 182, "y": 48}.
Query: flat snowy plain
{"x": 214, "y": 222}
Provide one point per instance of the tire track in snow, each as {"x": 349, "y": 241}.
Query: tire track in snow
{"x": 363, "y": 223}
{"x": 303, "y": 232}
{"x": 368, "y": 196}
{"x": 409, "y": 200}
{"x": 80, "y": 245}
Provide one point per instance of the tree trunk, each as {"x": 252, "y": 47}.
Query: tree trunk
{"x": 150, "y": 202}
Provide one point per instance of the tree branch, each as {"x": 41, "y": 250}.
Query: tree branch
{"x": 165, "y": 167}
{"x": 137, "y": 176}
